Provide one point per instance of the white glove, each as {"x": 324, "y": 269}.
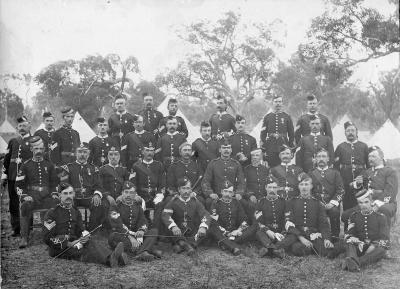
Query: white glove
{"x": 353, "y": 240}
{"x": 279, "y": 237}
{"x": 158, "y": 199}
{"x": 78, "y": 246}
{"x": 288, "y": 225}
{"x": 314, "y": 236}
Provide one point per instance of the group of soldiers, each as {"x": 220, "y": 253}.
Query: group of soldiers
{"x": 143, "y": 182}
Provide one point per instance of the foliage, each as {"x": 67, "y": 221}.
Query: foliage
{"x": 13, "y": 103}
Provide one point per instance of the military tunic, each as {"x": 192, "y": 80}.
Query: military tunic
{"x": 256, "y": 180}
{"x": 132, "y": 146}
{"x": 205, "y": 151}
{"x": 120, "y": 124}
{"x": 287, "y": 176}
{"x": 270, "y": 214}
{"x": 112, "y": 179}
{"x": 180, "y": 169}
{"x": 151, "y": 118}
{"x": 168, "y": 147}
{"x": 222, "y": 122}
{"x": 99, "y": 148}
{"x": 182, "y": 128}
{"x": 243, "y": 143}
{"x": 47, "y": 137}
{"x": 303, "y": 126}
{"x": 65, "y": 141}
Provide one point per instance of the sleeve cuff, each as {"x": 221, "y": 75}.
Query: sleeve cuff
{"x": 98, "y": 193}
{"x": 335, "y": 203}
{"x": 288, "y": 225}
{"x": 204, "y": 225}
{"x": 3, "y": 176}
{"x": 172, "y": 225}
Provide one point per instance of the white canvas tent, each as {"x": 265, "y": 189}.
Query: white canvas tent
{"x": 338, "y": 131}
{"x": 194, "y": 132}
{"x": 388, "y": 139}
{"x": 7, "y": 128}
{"x": 257, "y": 129}
{"x": 3, "y": 146}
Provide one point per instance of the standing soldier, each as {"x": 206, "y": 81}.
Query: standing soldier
{"x": 220, "y": 170}
{"x": 310, "y": 144}
{"x": 242, "y": 143}
{"x": 65, "y": 140}
{"x": 133, "y": 143}
{"x": 328, "y": 188}
{"x": 36, "y": 183}
{"x": 18, "y": 151}
{"x": 172, "y": 110}
{"x": 121, "y": 121}
{"x": 351, "y": 159}
{"x": 101, "y": 144}
{"x": 303, "y": 127}
{"x": 277, "y": 129}
{"x": 205, "y": 149}
{"x": 286, "y": 174}
{"x": 168, "y": 144}
{"x": 46, "y": 133}
{"x": 221, "y": 121}
{"x": 84, "y": 178}
{"x": 151, "y": 116}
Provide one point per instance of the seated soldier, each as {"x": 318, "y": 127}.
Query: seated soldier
{"x": 306, "y": 223}
{"x": 129, "y": 225}
{"x": 186, "y": 218}
{"x": 367, "y": 237}
{"x": 63, "y": 233}
{"x": 270, "y": 216}
{"x": 229, "y": 225}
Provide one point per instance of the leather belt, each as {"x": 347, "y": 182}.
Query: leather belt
{"x": 38, "y": 188}
{"x": 67, "y": 154}
{"x": 148, "y": 189}
{"x": 352, "y": 166}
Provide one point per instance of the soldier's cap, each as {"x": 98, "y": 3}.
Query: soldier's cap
{"x": 136, "y": 117}
{"x": 101, "y": 119}
{"x": 128, "y": 186}
{"x": 63, "y": 186}
{"x": 321, "y": 150}
{"x": 303, "y": 177}
{"x": 149, "y": 146}
{"x": 35, "y": 140}
{"x": 284, "y": 147}
{"x": 225, "y": 142}
{"x": 184, "y": 145}
{"x": 311, "y": 97}
{"x": 347, "y": 124}
{"x": 313, "y": 117}
{"x": 172, "y": 100}
{"x": 256, "y": 151}
{"x": 373, "y": 148}
{"x": 275, "y": 96}
{"x": 146, "y": 94}
{"x": 363, "y": 194}
{"x": 67, "y": 110}
{"x": 271, "y": 179}
{"x": 119, "y": 96}
{"x": 171, "y": 117}
{"x": 181, "y": 182}
{"x": 83, "y": 146}
{"x": 205, "y": 123}
{"x": 22, "y": 119}
{"x": 239, "y": 118}
{"x": 227, "y": 185}
{"x": 114, "y": 149}
{"x": 47, "y": 114}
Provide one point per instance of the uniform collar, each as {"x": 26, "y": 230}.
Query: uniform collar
{"x": 185, "y": 201}
{"x": 147, "y": 163}
{"x": 81, "y": 163}
{"x": 285, "y": 164}
{"x": 205, "y": 139}
{"x": 113, "y": 166}
{"x": 172, "y": 134}
{"x": 49, "y": 130}
{"x": 221, "y": 113}
{"x": 323, "y": 169}
{"x": 66, "y": 126}
{"x": 315, "y": 134}
{"x": 99, "y": 136}
{"x": 25, "y": 136}
{"x": 309, "y": 113}
{"x": 140, "y": 132}
{"x": 352, "y": 142}
{"x": 121, "y": 113}
{"x": 378, "y": 167}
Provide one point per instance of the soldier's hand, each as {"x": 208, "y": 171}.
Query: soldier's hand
{"x": 253, "y": 199}
{"x": 193, "y": 195}
{"x": 135, "y": 244}
{"x": 328, "y": 244}
{"x": 270, "y": 234}
{"x": 329, "y": 206}
{"x": 119, "y": 199}
{"x": 202, "y": 232}
{"x": 139, "y": 234}
{"x": 359, "y": 179}
{"x": 279, "y": 237}
{"x": 214, "y": 196}
{"x": 238, "y": 197}
{"x": 28, "y": 199}
{"x": 96, "y": 200}
{"x": 176, "y": 231}
{"x": 85, "y": 237}
{"x": 353, "y": 240}
{"x": 138, "y": 199}
{"x": 55, "y": 196}
{"x": 305, "y": 242}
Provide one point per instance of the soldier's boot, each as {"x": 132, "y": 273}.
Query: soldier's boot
{"x": 187, "y": 247}
{"x": 372, "y": 257}
{"x": 352, "y": 265}
{"x": 115, "y": 256}
{"x": 156, "y": 253}
{"x": 123, "y": 259}
{"x": 264, "y": 252}
{"x": 227, "y": 244}
{"x": 24, "y": 223}
{"x": 280, "y": 253}
{"x": 145, "y": 256}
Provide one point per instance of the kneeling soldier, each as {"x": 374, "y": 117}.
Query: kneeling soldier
{"x": 63, "y": 233}
{"x": 229, "y": 226}
{"x": 187, "y": 218}
{"x": 367, "y": 238}
{"x": 129, "y": 225}
{"x": 270, "y": 216}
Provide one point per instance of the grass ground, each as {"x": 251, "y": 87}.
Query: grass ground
{"x": 212, "y": 268}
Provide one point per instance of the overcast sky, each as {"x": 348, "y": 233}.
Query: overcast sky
{"x": 36, "y": 33}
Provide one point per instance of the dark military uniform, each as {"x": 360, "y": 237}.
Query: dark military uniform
{"x": 112, "y": 179}
{"x": 120, "y": 125}
{"x": 309, "y": 218}
{"x": 131, "y": 219}
{"x": 303, "y": 126}
{"x": 328, "y": 188}
{"x": 179, "y": 169}
{"x": 309, "y": 146}
{"x": 151, "y": 118}
{"x": 47, "y": 137}
{"x": 182, "y": 129}
{"x": 18, "y": 151}
{"x": 85, "y": 180}
{"x": 168, "y": 148}
{"x": 256, "y": 180}
{"x": 287, "y": 176}
{"x": 99, "y": 147}
{"x": 350, "y": 159}
{"x": 220, "y": 123}
{"x": 63, "y": 225}
{"x": 243, "y": 143}
{"x": 132, "y": 146}
{"x": 65, "y": 141}
{"x": 277, "y": 130}
{"x": 205, "y": 151}
{"x": 371, "y": 229}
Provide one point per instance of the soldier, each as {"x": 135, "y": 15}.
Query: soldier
{"x": 46, "y": 133}
{"x": 222, "y": 169}
{"x": 150, "y": 183}
{"x": 84, "y": 178}
{"x": 277, "y": 129}
{"x": 64, "y": 235}
{"x": 229, "y": 225}
{"x": 303, "y": 127}
{"x": 129, "y": 226}
{"x": 367, "y": 238}
{"x": 101, "y": 144}
{"x": 133, "y": 142}
{"x": 36, "y": 183}
{"x": 205, "y": 149}
{"x": 121, "y": 121}
{"x": 186, "y": 218}
{"x": 168, "y": 144}
{"x": 328, "y": 188}
{"x": 287, "y": 174}
{"x": 270, "y": 218}
{"x": 242, "y": 143}
{"x": 172, "y": 110}
{"x": 222, "y": 122}
{"x": 151, "y": 116}
{"x": 310, "y": 144}
{"x": 18, "y": 151}
{"x": 306, "y": 223}
{"x": 351, "y": 159}
{"x": 65, "y": 140}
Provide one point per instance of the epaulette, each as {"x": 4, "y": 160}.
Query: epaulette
{"x": 96, "y": 169}
{"x": 25, "y": 162}
{"x": 65, "y": 168}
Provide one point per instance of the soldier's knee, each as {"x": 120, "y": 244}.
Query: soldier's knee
{"x": 298, "y": 249}
{"x": 334, "y": 212}
{"x": 152, "y": 232}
